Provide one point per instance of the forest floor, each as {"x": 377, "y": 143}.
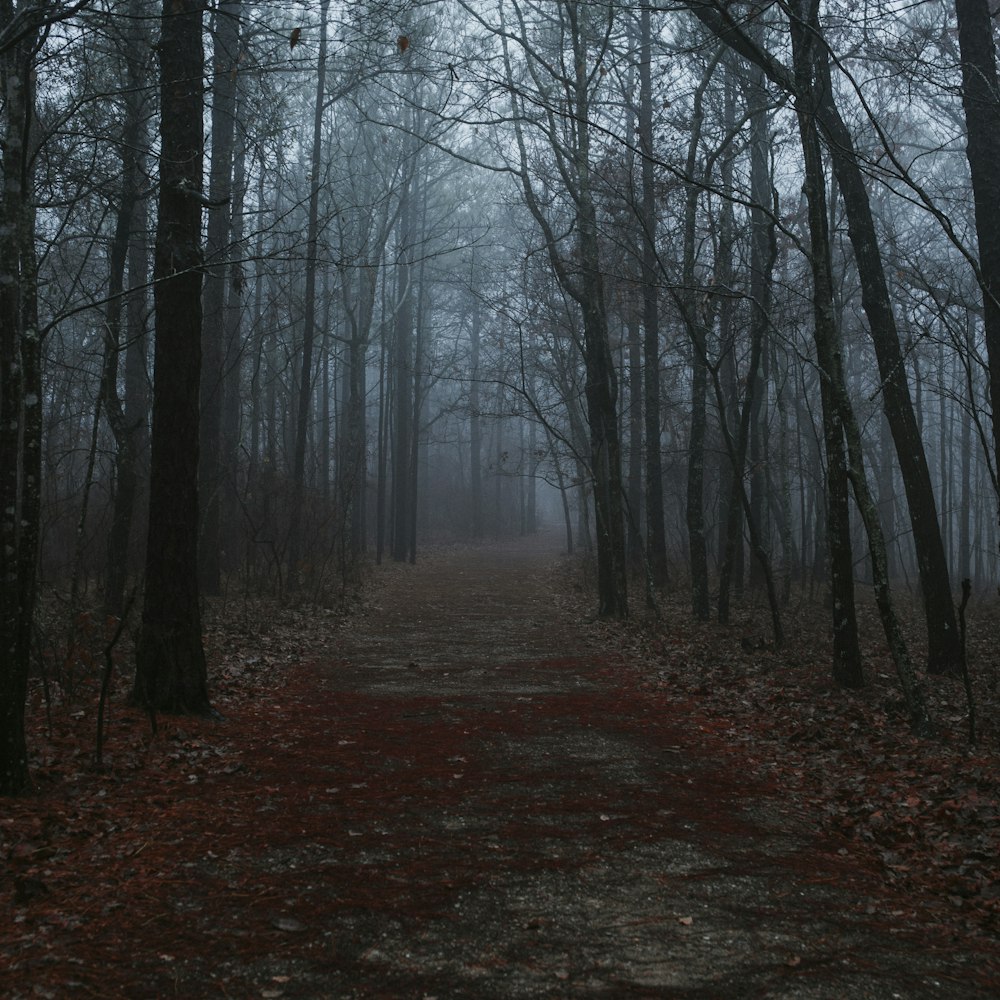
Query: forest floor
{"x": 465, "y": 788}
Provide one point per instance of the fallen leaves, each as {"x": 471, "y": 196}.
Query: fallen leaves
{"x": 927, "y": 810}
{"x": 924, "y": 813}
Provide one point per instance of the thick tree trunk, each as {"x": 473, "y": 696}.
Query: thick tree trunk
{"x": 170, "y": 661}
{"x": 981, "y": 100}
{"x": 20, "y": 412}
{"x": 740, "y": 501}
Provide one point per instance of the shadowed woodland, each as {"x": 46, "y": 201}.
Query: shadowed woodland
{"x": 700, "y": 296}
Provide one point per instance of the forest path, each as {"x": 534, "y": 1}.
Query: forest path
{"x": 471, "y": 794}
{"x": 513, "y": 815}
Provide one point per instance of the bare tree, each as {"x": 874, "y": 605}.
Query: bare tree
{"x": 564, "y": 123}
{"x": 944, "y": 652}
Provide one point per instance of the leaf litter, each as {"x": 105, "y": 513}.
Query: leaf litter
{"x": 485, "y": 826}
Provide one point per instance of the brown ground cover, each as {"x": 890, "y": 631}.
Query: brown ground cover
{"x": 466, "y": 789}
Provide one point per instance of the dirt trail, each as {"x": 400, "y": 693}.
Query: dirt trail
{"x": 472, "y": 797}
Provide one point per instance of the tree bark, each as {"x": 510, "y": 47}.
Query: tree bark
{"x": 981, "y": 101}
{"x": 20, "y": 409}
{"x": 476, "y": 418}
{"x": 602, "y": 385}
{"x": 762, "y": 258}
{"x": 126, "y": 418}
{"x": 635, "y": 434}
{"x": 402, "y": 384}
{"x": 847, "y": 667}
{"x": 656, "y": 536}
{"x": 170, "y": 661}
{"x": 230, "y": 537}
{"x": 698, "y": 330}
{"x": 213, "y": 340}
{"x": 304, "y": 403}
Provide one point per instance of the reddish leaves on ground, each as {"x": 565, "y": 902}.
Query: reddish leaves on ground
{"x": 93, "y": 846}
{"x": 927, "y": 808}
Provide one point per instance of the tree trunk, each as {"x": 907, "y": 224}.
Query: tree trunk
{"x": 217, "y": 253}
{"x": 170, "y": 671}
{"x": 384, "y": 423}
{"x": 605, "y": 445}
{"x": 736, "y": 449}
{"x": 20, "y": 406}
{"x": 229, "y": 447}
{"x": 402, "y": 385}
{"x": 635, "y": 428}
{"x": 295, "y": 541}
{"x": 476, "y": 420}
{"x": 656, "y": 537}
{"x": 353, "y": 474}
{"x": 847, "y": 668}
{"x": 126, "y": 418}
{"x": 981, "y": 100}
{"x": 762, "y": 258}
{"x": 698, "y": 330}
{"x": 729, "y": 555}
{"x": 944, "y": 652}
{"x": 965, "y": 501}
{"x": 416, "y": 421}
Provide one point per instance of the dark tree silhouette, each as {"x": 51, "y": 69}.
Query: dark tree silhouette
{"x": 170, "y": 671}
{"x": 20, "y": 406}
